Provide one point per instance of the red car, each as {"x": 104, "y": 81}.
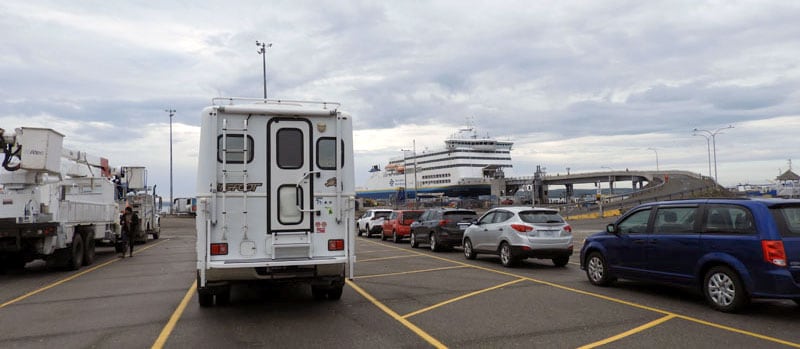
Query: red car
{"x": 397, "y": 226}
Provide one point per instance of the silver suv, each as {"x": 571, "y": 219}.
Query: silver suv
{"x": 372, "y": 221}
{"x": 516, "y": 233}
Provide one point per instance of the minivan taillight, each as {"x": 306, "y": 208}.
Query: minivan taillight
{"x": 522, "y": 228}
{"x": 218, "y": 249}
{"x": 774, "y": 252}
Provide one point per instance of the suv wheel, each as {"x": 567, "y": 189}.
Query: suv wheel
{"x": 597, "y": 270}
{"x": 506, "y": 257}
{"x": 434, "y": 244}
{"x": 395, "y": 239}
{"x": 468, "y": 252}
{"x": 561, "y": 261}
{"x": 413, "y": 238}
{"x": 796, "y": 301}
{"x": 724, "y": 290}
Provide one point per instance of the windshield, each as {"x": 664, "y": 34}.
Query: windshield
{"x": 540, "y": 217}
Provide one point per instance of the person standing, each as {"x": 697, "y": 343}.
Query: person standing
{"x": 130, "y": 222}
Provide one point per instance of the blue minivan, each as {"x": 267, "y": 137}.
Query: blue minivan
{"x": 732, "y": 250}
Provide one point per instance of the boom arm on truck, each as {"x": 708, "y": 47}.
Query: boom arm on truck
{"x": 57, "y": 203}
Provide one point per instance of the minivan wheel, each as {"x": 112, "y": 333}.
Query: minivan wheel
{"x": 505, "y": 255}
{"x": 469, "y": 253}
{"x": 414, "y": 243}
{"x": 597, "y": 270}
{"x": 724, "y": 290}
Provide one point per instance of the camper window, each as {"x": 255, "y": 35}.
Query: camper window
{"x": 290, "y": 148}
{"x": 326, "y": 153}
{"x": 234, "y": 152}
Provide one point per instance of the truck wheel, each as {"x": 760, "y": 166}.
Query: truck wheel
{"x": 335, "y": 293}
{"x": 119, "y": 247}
{"x": 205, "y": 297}
{"x": 318, "y": 292}
{"x": 76, "y": 257}
{"x": 155, "y": 235}
{"x": 223, "y": 295}
{"x": 88, "y": 252}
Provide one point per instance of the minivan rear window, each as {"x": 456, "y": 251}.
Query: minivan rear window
{"x": 540, "y": 217}
{"x": 788, "y": 220}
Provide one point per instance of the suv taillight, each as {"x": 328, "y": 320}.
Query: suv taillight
{"x": 774, "y": 252}
{"x": 522, "y": 228}
{"x": 568, "y": 228}
{"x": 443, "y": 222}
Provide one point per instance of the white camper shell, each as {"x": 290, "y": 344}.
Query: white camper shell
{"x": 275, "y": 192}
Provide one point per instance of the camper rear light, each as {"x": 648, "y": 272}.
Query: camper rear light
{"x": 218, "y": 249}
{"x": 336, "y": 245}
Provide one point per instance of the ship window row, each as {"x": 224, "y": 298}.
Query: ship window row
{"x": 465, "y": 158}
{"x": 438, "y": 175}
{"x": 437, "y": 181}
{"x": 473, "y": 143}
{"x": 460, "y": 165}
{"x": 451, "y": 151}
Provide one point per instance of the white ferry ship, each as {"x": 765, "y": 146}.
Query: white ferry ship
{"x": 463, "y": 168}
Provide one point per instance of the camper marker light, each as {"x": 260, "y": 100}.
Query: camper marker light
{"x": 219, "y": 249}
{"x": 336, "y": 245}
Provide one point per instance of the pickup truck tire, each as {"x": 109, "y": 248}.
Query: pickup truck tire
{"x": 335, "y": 293}
{"x": 88, "y": 252}
{"x": 76, "y": 257}
{"x": 205, "y": 297}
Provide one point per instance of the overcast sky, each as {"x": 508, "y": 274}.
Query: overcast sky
{"x": 575, "y": 84}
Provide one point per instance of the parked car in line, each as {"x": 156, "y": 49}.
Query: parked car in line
{"x": 398, "y": 225}
{"x": 517, "y": 233}
{"x": 441, "y": 228}
{"x": 371, "y": 222}
{"x": 730, "y": 250}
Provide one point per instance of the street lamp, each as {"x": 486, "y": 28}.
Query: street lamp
{"x": 171, "y": 114}
{"x": 713, "y": 136}
{"x": 656, "y": 151}
{"x": 262, "y": 50}
{"x": 405, "y": 176}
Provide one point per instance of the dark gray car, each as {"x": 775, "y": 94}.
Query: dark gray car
{"x": 441, "y": 228}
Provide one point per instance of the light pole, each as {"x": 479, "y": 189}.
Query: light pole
{"x": 171, "y": 114}
{"x": 262, "y": 50}
{"x": 656, "y": 151}
{"x": 414, "y": 151}
{"x": 713, "y": 135}
{"x": 708, "y": 146}
{"x": 405, "y": 176}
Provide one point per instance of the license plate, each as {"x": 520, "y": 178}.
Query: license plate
{"x": 547, "y": 233}
{"x": 463, "y": 226}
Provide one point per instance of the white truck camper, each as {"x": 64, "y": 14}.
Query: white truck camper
{"x": 136, "y": 194}
{"x": 52, "y": 209}
{"x": 276, "y": 194}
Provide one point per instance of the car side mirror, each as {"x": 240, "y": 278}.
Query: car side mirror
{"x": 611, "y": 228}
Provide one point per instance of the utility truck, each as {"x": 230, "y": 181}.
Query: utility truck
{"x": 142, "y": 199}
{"x": 56, "y": 203}
{"x": 276, "y": 196}
{"x": 184, "y": 206}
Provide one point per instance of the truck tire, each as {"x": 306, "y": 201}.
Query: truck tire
{"x": 76, "y": 253}
{"x": 88, "y": 252}
{"x": 335, "y": 293}
{"x": 205, "y": 297}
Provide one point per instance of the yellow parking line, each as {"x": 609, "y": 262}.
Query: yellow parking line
{"x": 173, "y": 320}
{"x": 424, "y": 335}
{"x": 461, "y": 297}
{"x": 615, "y": 300}
{"x": 385, "y": 258}
{"x": 69, "y": 278}
{"x": 629, "y": 332}
{"x": 409, "y": 272}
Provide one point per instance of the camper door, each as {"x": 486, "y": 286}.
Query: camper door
{"x": 289, "y": 174}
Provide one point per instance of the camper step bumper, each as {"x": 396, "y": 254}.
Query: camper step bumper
{"x": 268, "y": 262}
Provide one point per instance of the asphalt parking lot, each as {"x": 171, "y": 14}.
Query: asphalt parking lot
{"x": 450, "y": 301}
{"x": 400, "y": 298}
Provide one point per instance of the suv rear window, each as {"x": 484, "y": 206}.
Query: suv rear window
{"x": 411, "y": 215}
{"x": 540, "y": 217}
{"x": 382, "y": 214}
{"x": 459, "y": 215}
{"x": 788, "y": 220}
